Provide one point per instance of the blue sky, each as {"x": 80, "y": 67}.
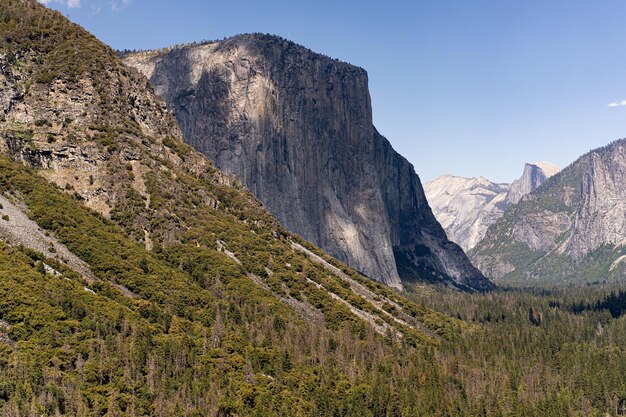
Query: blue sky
{"x": 471, "y": 88}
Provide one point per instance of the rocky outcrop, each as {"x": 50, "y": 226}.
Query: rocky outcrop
{"x": 601, "y": 216}
{"x": 533, "y": 176}
{"x": 91, "y": 125}
{"x": 573, "y": 228}
{"x": 296, "y": 127}
{"x": 466, "y": 207}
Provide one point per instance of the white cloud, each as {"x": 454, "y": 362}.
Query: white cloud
{"x": 118, "y": 5}
{"x": 115, "y": 5}
{"x": 95, "y": 10}
{"x": 617, "y": 103}
{"x": 72, "y": 4}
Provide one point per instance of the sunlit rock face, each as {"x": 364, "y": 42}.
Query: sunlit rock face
{"x": 571, "y": 229}
{"x": 296, "y": 127}
{"x": 533, "y": 176}
{"x": 466, "y": 207}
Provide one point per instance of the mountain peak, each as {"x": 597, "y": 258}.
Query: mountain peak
{"x": 572, "y": 228}
{"x": 466, "y": 207}
{"x": 296, "y": 127}
{"x": 534, "y": 175}
{"x": 274, "y": 47}
{"x": 548, "y": 168}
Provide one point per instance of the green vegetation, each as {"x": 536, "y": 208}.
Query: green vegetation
{"x": 222, "y": 316}
{"x": 200, "y": 336}
{"x": 66, "y": 50}
{"x": 208, "y": 341}
{"x": 551, "y": 210}
{"x": 554, "y": 352}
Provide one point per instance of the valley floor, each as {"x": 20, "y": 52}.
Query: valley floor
{"x": 541, "y": 352}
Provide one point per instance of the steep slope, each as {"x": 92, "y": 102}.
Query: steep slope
{"x": 572, "y": 228}
{"x": 136, "y": 279}
{"x": 296, "y": 128}
{"x": 466, "y": 207}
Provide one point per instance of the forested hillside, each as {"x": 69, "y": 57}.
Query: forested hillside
{"x": 141, "y": 280}
{"x": 138, "y": 280}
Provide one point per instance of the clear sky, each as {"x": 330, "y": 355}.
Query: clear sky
{"x": 471, "y": 88}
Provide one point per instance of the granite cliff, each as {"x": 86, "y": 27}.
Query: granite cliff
{"x": 129, "y": 264}
{"x": 296, "y": 128}
{"x": 573, "y": 228}
{"x": 466, "y": 207}
{"x": 534, "y": 175}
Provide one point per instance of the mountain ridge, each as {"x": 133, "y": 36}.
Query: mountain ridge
{"x": 570, "y": 229}
{"x": 533, "y": 176}
{"x": 296, "y": 127}
{"x": 466, "y": 207}
{"x": 140, "y": 280}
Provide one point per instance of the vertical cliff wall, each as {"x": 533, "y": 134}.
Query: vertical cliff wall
{"x": 533, "y": 176}
{"x": 297, "y": 128}
{"x": 571, "y": 229}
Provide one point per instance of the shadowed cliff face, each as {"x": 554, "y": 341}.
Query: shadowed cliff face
{"x": 421, "y": 248}
{"x": 297, "y": 128}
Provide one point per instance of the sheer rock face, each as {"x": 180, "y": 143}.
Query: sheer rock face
{"x": 297, "y": 128}
{"x": 534, "y": 175}
{"x": 601, "y": 217}
{"x": 466, "y": 207}
{"x": 572, "y": 228}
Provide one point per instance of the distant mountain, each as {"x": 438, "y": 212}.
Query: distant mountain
{"x": 534, "y": 175}
{"x": 296, "y": 128}
{"x": 466, "y": 207}
{"x": 571, "y": 229}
